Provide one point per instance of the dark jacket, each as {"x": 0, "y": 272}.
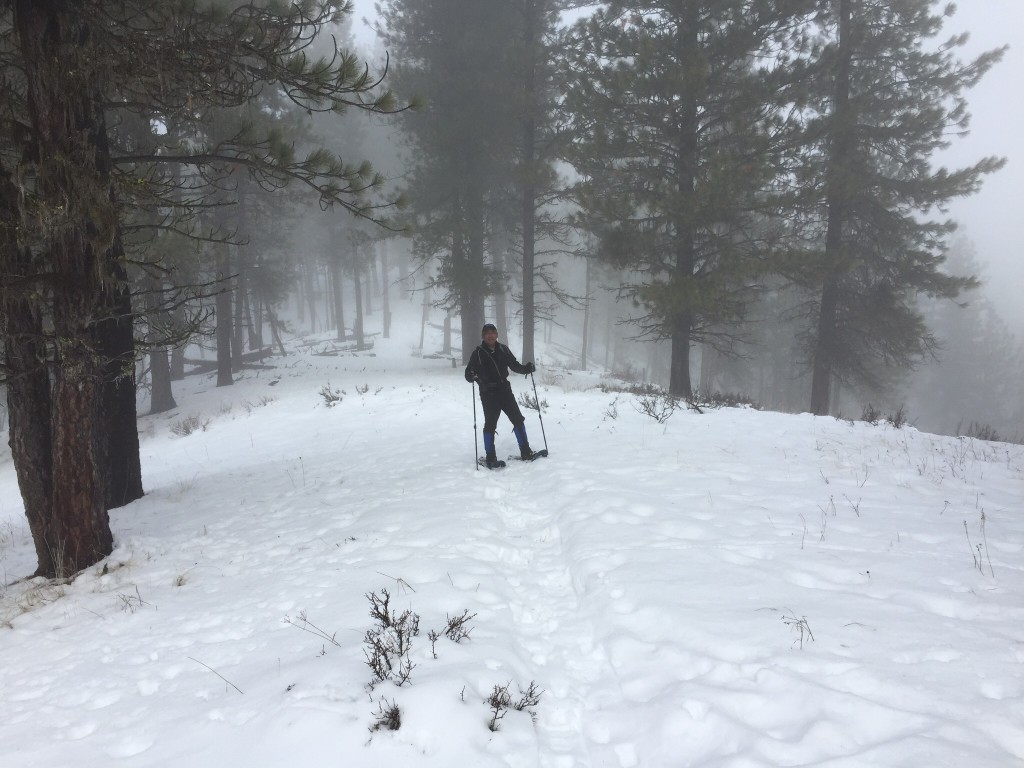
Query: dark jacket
{"x": 490, "y": 367}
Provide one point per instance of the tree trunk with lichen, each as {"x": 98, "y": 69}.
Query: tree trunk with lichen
{"x": 78, "y": 226}
{"x": 27, "y": 378}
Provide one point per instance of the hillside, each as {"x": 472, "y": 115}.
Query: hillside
{"x": 732, "y": 588}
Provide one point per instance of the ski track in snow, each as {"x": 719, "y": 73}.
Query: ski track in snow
{"x": 554, "y": 629}
{"x": 730, "y": 589}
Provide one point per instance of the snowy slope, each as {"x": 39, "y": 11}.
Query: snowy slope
{"x": 728, "y": 589}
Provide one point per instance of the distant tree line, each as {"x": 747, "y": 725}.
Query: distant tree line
{"x": 731, "y": 159}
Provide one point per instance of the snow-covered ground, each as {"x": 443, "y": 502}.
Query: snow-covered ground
{"x": 732, "y": 588}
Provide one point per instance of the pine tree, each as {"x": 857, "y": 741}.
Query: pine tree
{"x": 454, "y": 57}
{"x": 676, "y": 121}
{"x": 883, "y": 99}
{"x": 77, "y": 69}
{"x": 537, "y": 69}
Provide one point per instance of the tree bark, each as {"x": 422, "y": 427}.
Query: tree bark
{"x": 681, "y": 328}
{"x": 28, "y": 383}
{"x": 471, "y": 299}
{"x": 501, "y": 316}
{"x": 529, "y": 174}
{"x": 238, "y": 318}
{"x": 254, "y": 335}
{"x": 338, "y": 294}
{"x": 240, "y": 278}
{"x": 585, "y": 343}
{"x": 222, "y": 308}
{"x": 178, "y": 363}
{"x": 162, "y": 398}
{"x": 79, "y": 223}
{"x": 275, "y": 335}
{"x": 826, "y": 343}
{"x": 115, "y": 342}
{"x": 309, "y": 284}
{"x": 385, "y": 289}
{"x": 372, "y": 283}
{"x": 425, "y": 317}
{"x": 357, "y": 283}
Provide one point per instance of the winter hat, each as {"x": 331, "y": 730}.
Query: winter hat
{"x": 488, "y": 327}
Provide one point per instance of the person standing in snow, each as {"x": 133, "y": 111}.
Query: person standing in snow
{"x": 488, "y": 366}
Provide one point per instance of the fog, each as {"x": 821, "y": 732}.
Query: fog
{"x": 943, "y": 396}
{"x": 990, "y": 218}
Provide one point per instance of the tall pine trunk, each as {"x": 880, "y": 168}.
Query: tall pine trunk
{"x": 222, "y": 308}
{"x": 115, "y": 342}
{"x": 80, "y": 224}
{"x": 681, "y": 321}
{"x": 238, "y": 317}
{"x": 385, "y": 297}
{"x": 473, "y": 292}
{"x": 338, "y": 294}
{"x": 827, "y": 343}
{"x": 585, "y": 343}
{"x": 501, "y": 315}
{"x": 529, "y": 173}
{"x": 240, "y": 279}
{"x": 357, "y": 284}
{"x": 27, "y": 380}
{"x": 161, "y": 397}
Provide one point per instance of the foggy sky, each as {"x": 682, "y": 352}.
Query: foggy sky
{"x": 991, "y": 219}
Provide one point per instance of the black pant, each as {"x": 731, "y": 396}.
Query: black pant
{"x": 496, "y": 400}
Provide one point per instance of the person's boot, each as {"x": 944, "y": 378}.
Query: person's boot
{"x": 525, "y": 452}
{"x": 490, "y": 458}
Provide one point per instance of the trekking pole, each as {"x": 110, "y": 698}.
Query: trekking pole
{"x": 476, "y": 440}
{"x": 537, "y": 400}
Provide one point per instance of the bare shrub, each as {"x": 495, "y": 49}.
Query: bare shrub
{"x": 897, "y": 419}
{"x": 188, "y": 425}
{"x": 332, "y": 397}
{"x": 131, "y": 603}
{"x": 303, "y": 623}
{"x": 457, "y": 628}
{"x": 659, "y": 407}
{"x": 870, "y": 414}
{"x": 632, "y": 389}
{"x": 628, "y": 373}
{"x": 251, "y": 405}
{"x": 530, "y": 401}
{"x": 612, "y": 411}
{"x": 433, "y": 635}
{"x": 801, "y": 627}
{"x": 701, "y": 401}
{"x": 978, "y": 431}
{"x": 388, "y": 717}
{"x": 500, "y": 701}
{"x": 389, "y": 642}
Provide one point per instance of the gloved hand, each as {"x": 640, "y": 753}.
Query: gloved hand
{"x": 471, "y": 377}
{"x": 530, "y": 367}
